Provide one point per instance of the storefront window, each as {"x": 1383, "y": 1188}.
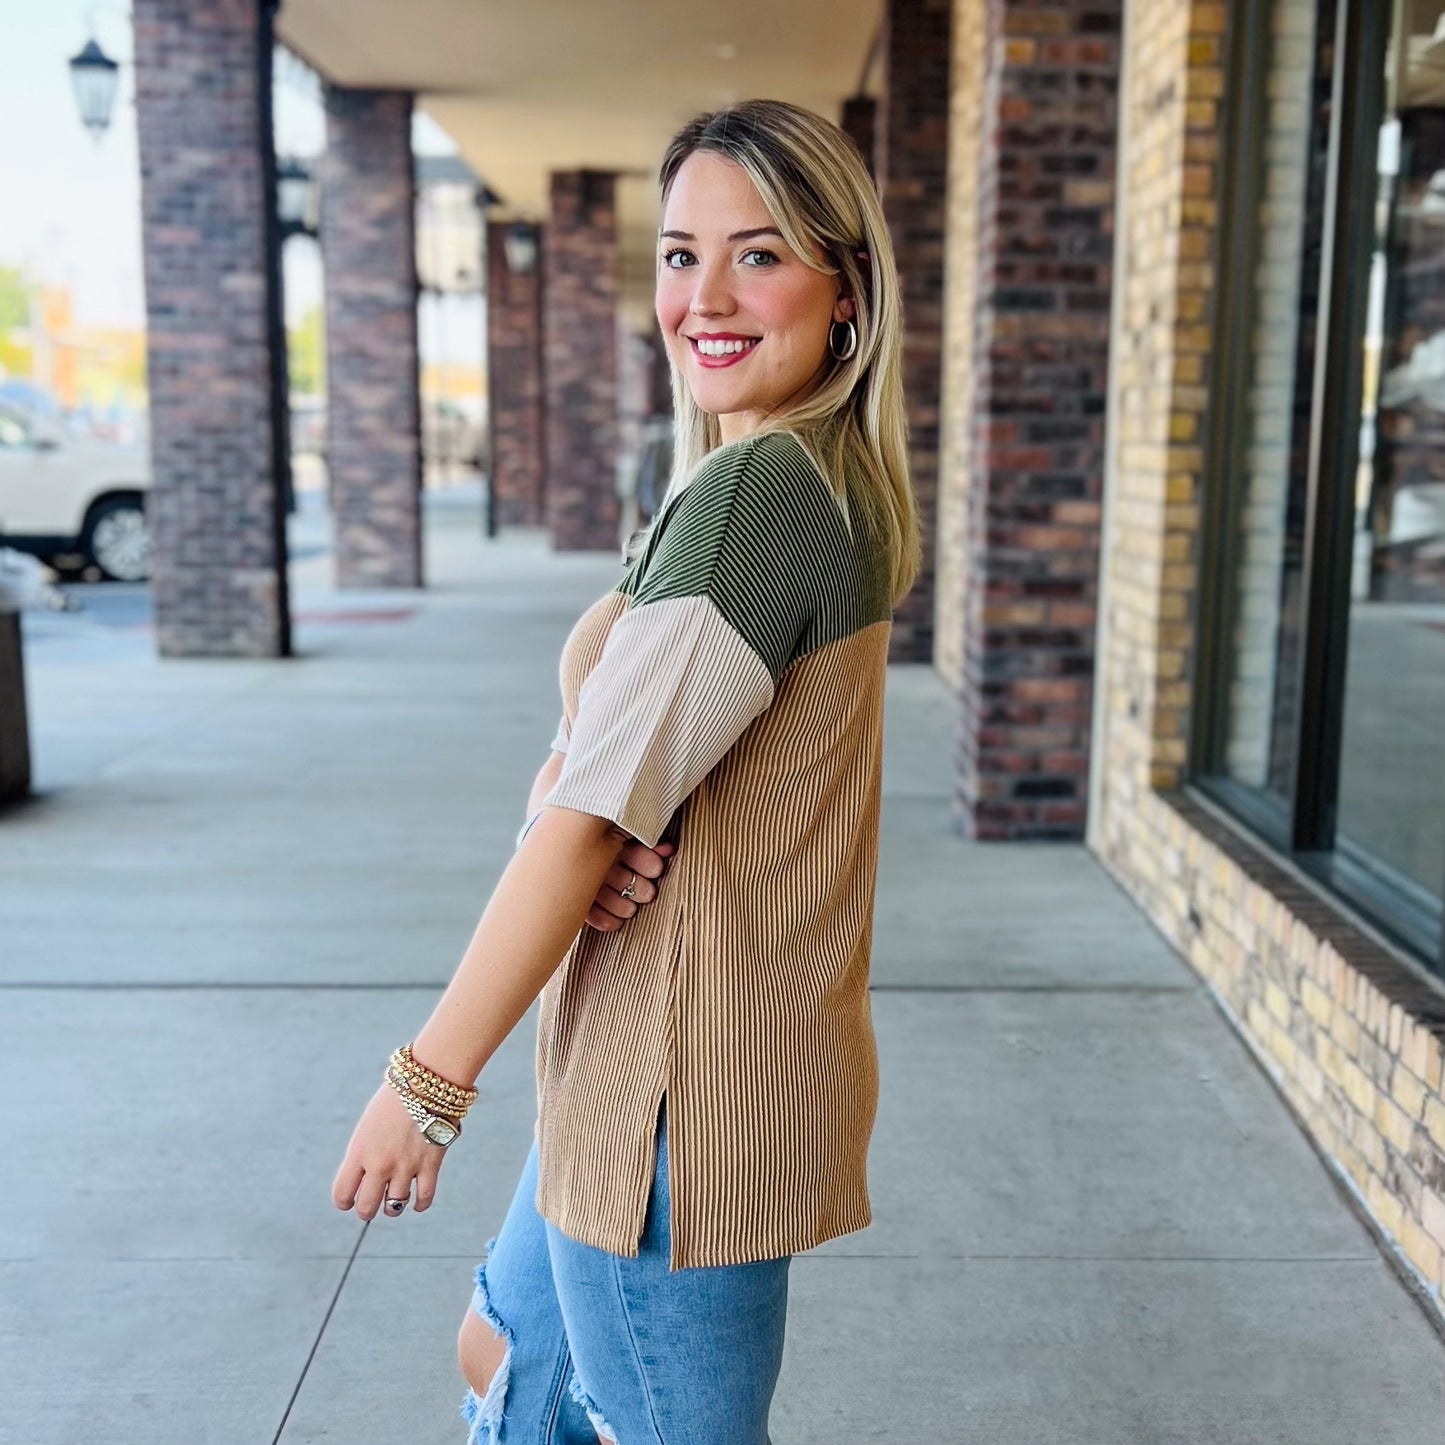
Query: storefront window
{"x": 1322, "y": 697}
{"x": 1392, "y": 778}
{"x": 1272, "y": 460}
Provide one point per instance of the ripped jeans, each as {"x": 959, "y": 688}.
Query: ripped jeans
{"x": 602, "y": 1346}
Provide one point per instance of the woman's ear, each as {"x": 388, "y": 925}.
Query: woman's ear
{"x": 843, "y": 309}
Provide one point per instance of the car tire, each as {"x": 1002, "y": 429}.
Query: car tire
{"x": 117, "y": 539}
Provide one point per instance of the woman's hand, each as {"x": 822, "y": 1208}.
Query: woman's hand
{"x": 386, "y": 1152}
{"x": 611, "y": 910}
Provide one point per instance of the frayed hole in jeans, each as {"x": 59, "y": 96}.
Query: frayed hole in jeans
{"x": 483, "y": 1413}
{"x": 593, "y": 1413}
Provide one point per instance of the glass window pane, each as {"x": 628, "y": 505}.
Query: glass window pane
{"x": 1392, "y": 779}
{"x": 1266, "y": 548}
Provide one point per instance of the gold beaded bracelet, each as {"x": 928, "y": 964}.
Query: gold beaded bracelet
{"x": 404, "y": 1060}
{"x": 438, "y": 1106}
{"x": 408, "y": 1087}
{"x": 404, "y": 1087}
{"x": 428, "y": 1081}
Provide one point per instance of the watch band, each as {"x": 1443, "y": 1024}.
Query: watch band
{"x": 420, "y": 1112}
{"x": 425, "y": 1116}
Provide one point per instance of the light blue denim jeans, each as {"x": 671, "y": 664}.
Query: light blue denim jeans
{"x": 605, "y": 1346}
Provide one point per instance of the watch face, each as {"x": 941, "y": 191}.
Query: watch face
{"x": 441, "y": 1132}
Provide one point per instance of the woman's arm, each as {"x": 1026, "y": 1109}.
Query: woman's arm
{"x": 535, "y": 911}
{"x": 546, "y": 776}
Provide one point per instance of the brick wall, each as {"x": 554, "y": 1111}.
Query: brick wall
{"x": 514, "y": 384}
{"x": 642, "y": 394}
{"x": 1351, "y": 1036}
{"x": 858, "y": 121}
{"x": 579, "y": 349}
{"x": 1030, "y": 318}
{"x": 373, "y": 441}
{"x": 912, "y": 157}
{"x": 217, "y": 528}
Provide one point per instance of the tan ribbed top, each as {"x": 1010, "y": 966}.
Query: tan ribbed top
{"x": 727, "y": 695}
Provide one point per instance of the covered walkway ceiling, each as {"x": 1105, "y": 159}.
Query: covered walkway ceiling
{"x": 527, "y": 88}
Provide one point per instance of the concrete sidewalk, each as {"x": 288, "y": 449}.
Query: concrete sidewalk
{"x": 245, "y": 883}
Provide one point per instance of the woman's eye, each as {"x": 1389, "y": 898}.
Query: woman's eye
{"x": 769, "y": 257}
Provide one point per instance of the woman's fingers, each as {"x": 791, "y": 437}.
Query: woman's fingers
{"x": 611, "y": 909}
{"x": 599, "y": 918}
{"x": 636, "y": 864}
{"x": 618, "y": 876}
{"x": 372, "y": 1188}
{"x": 368, "y": 1197}
{"x": 426, "y": 1183}
{"x": 385, "y": 1149}
{"x": 344, "y": 1186}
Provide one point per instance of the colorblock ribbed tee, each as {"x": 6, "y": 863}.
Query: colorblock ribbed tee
{"x": 725, "y": 695}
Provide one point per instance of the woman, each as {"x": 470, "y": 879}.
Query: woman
{"x": 706, "y": 1068}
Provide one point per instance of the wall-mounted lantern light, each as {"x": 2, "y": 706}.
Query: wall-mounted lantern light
{"x": 520, "y": 246}
{"x": 94, "y": 77}
{"x": 298, "y": 197}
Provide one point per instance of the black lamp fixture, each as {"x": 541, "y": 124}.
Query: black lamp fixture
{"x": 298, "y": 197}
{"x": 94, "y": 77}
{"x": 520, "y": 247}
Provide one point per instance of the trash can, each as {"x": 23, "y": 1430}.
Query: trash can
{"x": 14, "y": 728}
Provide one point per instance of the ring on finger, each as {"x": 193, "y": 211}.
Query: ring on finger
{"x": 627, "y": 892}
{"x": 395, "y": 1206}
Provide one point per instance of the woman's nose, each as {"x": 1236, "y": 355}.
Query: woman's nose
{"x": 711, "y": 295}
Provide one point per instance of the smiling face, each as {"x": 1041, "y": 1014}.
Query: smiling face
{"x": 744, "y": 319}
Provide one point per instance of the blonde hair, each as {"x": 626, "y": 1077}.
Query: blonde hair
{"x": 853, "y": 424}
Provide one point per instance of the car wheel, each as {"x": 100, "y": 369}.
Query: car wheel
{"x": 117, "y": 540}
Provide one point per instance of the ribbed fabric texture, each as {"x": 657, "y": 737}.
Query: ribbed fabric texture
{"x": 675, "y": 689}
{"x": 726, "y": 695}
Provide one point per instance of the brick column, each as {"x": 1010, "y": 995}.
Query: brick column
{"x": 579, "y": 350}
{"x": 659, "y": 396}
{"x": 215, "y": 349}
{"x": 859, "y": 123}
{"x": 1045, "y": 208}
{"x": 912, "y": 160}
{"x": 642, "y": 384}
{"x": 373, "y": 441}
{"x": 514, "y": 384}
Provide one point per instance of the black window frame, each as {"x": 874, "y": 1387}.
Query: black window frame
{"x": 1303, "y": 831}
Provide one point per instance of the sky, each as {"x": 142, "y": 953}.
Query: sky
{"x": 69, "y": 206}
{"x": 69, "y": 209}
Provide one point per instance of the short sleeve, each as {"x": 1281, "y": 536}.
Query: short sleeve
{"x": 563, "y": 735}
{"x": 717, "y": 615}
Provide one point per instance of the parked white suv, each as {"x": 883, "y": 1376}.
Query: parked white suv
{"x": 61, "y": 496}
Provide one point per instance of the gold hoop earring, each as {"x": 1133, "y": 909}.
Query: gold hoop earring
{"x": 851, "y": 345}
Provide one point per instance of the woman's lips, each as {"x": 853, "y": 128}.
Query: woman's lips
{"x": 733, "y": 353}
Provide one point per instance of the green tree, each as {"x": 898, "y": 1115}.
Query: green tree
{"x": 14, "y": 298}
{"x": 306, "y": 353}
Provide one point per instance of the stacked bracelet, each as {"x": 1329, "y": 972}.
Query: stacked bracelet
{"x": 436, "y": 1127}
{"x": 439, "y": 1094}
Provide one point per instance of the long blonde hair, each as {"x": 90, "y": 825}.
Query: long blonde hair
{"x": 814, "y": 184}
